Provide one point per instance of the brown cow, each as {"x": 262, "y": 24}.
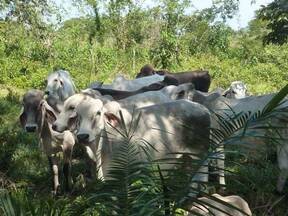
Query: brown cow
{"x": 201, "y": 79}
{"x": 38, "y": 116}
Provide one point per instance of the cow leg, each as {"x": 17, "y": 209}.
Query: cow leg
{"x": 200, "y": 176}
{"x": 54, "y": 167}
{"x": 220, "y": 158}
{"x": 282, "y": 157}
{"x": 68, "y": 144}
{"x": 94, "y": 161}
{"x": 51, "y": 169}
{"x": 67, "y": 169}
{"x": 282, "y": 180}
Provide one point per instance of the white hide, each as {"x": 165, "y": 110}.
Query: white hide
{"x": 123, "y": 84}
{"x": 160, "y": 125}
{"x": 208, "y": 210}
{"x": 237, "y": 90}
{"x": 60, "y": 85}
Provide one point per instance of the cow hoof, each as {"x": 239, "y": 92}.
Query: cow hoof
{"x": 278, "y": 193}
{"x": 56, "y": 192}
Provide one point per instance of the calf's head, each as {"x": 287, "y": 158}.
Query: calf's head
{"x": 34, "y": 110}
{"x": 67, "y": 118}
{"x": 93, "y": 115}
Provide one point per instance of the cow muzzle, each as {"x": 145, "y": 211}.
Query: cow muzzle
{"x": 31, "y": 128}
{"x": 58, "y": 128}
{"x": 83, "y": 137}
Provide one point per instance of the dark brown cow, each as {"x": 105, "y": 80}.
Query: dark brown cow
{"x": 118, "y": 94}
{"x": 201, "y": 79}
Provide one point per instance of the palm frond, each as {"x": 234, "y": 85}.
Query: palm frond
{"x": 9, "y": 206}
{"x": 128, "y": 183}
{"x": 276, "y": 100}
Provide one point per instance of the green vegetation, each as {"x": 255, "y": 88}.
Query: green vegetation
{"x": 120, "y": 37}
{"x": 124, "y": 37}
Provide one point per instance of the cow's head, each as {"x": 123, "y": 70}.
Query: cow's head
{"x": 146, "y": 70}
{"x": 67, "y": 119}
{"x": 237, "y": 90}
{"x": 35, "y": 109}
{"x": 93, "y": 115}
{"x": 183, "y": 91}
{"x": 54, "y": 83}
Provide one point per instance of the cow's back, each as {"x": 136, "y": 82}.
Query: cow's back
{"x": 144, "y": 99}
{"x": 120, "y": 83}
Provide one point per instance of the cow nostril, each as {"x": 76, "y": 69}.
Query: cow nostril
{"x": 82, "y": 137}
{"x": 30, "y": 128}
{"x": 58, "y": 128}
{"x": 47, "y": 92}
{"x": 54, "y": 127}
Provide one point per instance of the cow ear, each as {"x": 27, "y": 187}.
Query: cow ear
{"x": 225, "y": 93}
{"x": 51, "y": 116}
{"x": 61, "y": 82}
{"x": 72, "y": 121}
{"x": 49, "y": 112}
{"x": 73, "y": 114}
{"x": 112, "y": 119}
{"x": 180, "y": 95}
{"x": 23, "y": 118}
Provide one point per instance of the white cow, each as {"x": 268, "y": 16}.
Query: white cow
{"x": 161, "y": 125}
{"x": 123, "y": 84}
{"x": 167, "y": 94}
{"x": 213, "y": 206}
{"x": 60, "y": 85}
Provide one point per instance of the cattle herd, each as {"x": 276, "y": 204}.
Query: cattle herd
{"x": 62, "y": 118}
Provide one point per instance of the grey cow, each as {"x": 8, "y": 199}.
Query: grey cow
{"x": 253, "y": 104}
{"x": 60, "y": 85}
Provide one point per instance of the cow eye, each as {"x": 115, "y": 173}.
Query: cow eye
{"x": 55, "y": 80}
{"x": 71, "y": 108}
{"x": 98, "y": 113}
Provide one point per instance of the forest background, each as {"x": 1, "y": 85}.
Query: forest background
{"x": 121, "y": 36}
